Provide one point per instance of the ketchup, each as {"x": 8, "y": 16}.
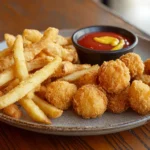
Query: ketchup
{"x": 89, "y": 42}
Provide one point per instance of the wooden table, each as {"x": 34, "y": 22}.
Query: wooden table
{"x": 17, "y": 15}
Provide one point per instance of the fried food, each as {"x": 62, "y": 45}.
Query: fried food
{"x": 90, "y": 101}
{"x": 5, "y": 52}
{"x": 47, "y": 108}
{"x": 147, "y": 67}
{"x": 60, "y": 94}
{"x": 144, "y": 78}
{"x": 10, "y": 39}
{"x": 32, "y": 35}
{"x": 21, "y": 70}
{"x": 134, "y": 62}
{"x": 118, "y": 103}
{"x": 12, "y": 111}
{"x": 78, "y": 74}
{"x": 54, "y": 49}
{"x": 29, "y": 84}
{"x": 88, "y": 78}
{"x": 139, "y": 97}
{"x": 68, "y": 68}
{"x": 31, "y": 50}
{"x": 114, "y": 76}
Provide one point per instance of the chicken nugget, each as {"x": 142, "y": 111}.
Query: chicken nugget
{"x": 144, "y": 78}
{"x": 147, "y": 66}
{"x": 118, "y": 103}
{"x": 134, "y": 63}
{"x": 113, "y": 76}
{"x": 139, "y": 97}
{"x": 60, "y": 94}
{"x": 90, "y": 101}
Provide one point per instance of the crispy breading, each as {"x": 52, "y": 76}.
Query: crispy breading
{"x": 114, "y": 76}
{"x": 90, "y": 101}
{"x": 147, "y": 66}
{"x": 118, "y": 103}
{"x": 144, "y": 78}
{"x": 139, "y": 97}
{"x": 134, "y": 62}
{"x": 60, "y": 94}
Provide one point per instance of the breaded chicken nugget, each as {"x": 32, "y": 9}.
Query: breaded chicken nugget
{"x": 90, "y": 101}
{"x": 134, "y": 63}
{"x": 114, "y": 76}
{"x": 118, "y": 103}
{"x": 144, "y": 78}
{"x": 147, "y": 66}
{"x": 60, "y": 94}
{"x": 139, "y": 97}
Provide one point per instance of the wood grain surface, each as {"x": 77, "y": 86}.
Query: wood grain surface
{"x": 15, "y": 15}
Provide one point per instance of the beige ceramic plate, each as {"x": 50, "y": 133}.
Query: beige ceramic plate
{"x": 71, "y": 124}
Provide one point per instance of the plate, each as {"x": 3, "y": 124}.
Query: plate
{"x": 71, "y": 124}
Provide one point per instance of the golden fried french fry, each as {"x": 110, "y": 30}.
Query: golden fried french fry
{"x": 41, "y": 54}
{"x": 13, "y": 111}
{"x": 69, "y": 40}
{"x": 54, "y": 49}
{"x": 29, "y": 84}
{"x": 22, "y": 73}
{"x": 7, "y": 76}
{"x": 31, "y": 50}
{"x": 20, "y": 64}
{"x": 68, "y": 68}
{"x": 61, "y": 40}
{"x": 10, "y": 86}
{"x": 26, "y": 42}
{"x": 10, "y": 39}
{"x": 32, "y": 35}
{"x": 47, "y": 108}
{"x": 76, "y": 75}
{"x": 5, "y": 52}
{"x": 37, "y": 63}
{"x": 33, "y": 111}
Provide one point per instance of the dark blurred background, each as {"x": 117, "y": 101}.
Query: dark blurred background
{"x": 136, "y": 12}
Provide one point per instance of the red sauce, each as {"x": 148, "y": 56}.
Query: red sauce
{"x": 89, "y": 42}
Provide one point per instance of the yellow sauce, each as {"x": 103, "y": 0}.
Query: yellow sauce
{"x": 111, "y": 41}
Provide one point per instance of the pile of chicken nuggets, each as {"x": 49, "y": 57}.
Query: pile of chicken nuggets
{"x": 42, "y": 73}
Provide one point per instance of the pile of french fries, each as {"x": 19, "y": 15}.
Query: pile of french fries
{"x": 29, "y": 60}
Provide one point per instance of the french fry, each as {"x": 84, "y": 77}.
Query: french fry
{"x": 5, "y": 52}
{"x": 47, "y": 108}
{"x": 22, "y": 73}
{"x": 20, "y": 63}
{"x": 61, "y": 40}
{"x": 76, "y": 75}
{"x": 10, "y": 39}
{"x": 26, "y": 42}
{"x": 37, "y": 63}
{"x": 7, "y": 76}
{"x": 29, "y": 84}
{"x": 10, "y": 86}
{"x": 13, "y": 111}
{"x": 33, "y": 111}
{"x": 31, "y": 50}
{"x": 68, "y": 68}
{"x": 32, "y": 35}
